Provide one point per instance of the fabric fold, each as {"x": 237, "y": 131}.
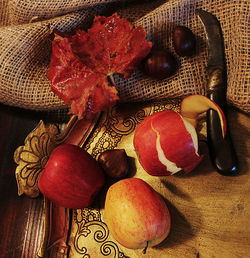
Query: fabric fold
{"x": 25, "y": 48}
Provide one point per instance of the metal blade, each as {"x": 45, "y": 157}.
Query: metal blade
{"x": 216, "y": 57}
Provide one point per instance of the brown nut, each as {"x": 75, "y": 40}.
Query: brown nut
{"x": 184, "y": 41}
{"x": 114, "y": 163}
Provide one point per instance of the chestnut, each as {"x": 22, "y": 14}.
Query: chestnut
{"x": 160, "y": 64}
{"x": 114, "y": 163}
{"x": 184, "y": 41}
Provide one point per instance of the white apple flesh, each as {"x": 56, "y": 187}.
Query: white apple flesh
{"x": 136, "y": 214}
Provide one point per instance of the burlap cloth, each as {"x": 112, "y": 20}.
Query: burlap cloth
{"x": 25, "y": 49}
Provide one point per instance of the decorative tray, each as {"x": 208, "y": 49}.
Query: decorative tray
{"x": 83, "y": 232}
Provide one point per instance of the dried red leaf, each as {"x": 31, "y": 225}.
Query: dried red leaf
{"x": 80, "y": 64}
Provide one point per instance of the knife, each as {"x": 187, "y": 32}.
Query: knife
{"x": 222, "y": 152}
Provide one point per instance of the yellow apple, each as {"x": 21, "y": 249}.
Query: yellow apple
{"x": 136, "y": 214}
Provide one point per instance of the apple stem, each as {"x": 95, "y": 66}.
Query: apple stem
{"x": 145, "y": 249}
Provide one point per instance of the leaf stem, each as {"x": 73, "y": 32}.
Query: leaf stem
{"x": 111, "y": 79}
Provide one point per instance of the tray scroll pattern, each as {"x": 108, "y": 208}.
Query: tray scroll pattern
{"x": 32, "y": 157}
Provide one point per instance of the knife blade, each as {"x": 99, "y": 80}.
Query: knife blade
{"x": 222, "y": 151}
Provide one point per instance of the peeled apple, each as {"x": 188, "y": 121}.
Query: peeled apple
{"x": 166, "y": 142}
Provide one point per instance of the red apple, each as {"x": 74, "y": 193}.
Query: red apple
{"x": 136, "y": 214}
{"x": 166, "y": 142}
{"x": 71, "y": 178}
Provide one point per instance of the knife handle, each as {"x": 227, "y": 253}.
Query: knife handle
{"x": 222, "y": 152}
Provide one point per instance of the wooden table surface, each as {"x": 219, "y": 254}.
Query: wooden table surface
{"x": 222, "y": 230}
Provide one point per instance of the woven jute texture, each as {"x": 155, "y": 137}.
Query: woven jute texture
{"x": 25, "y": 48}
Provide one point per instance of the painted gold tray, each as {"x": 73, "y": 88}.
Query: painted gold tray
{"x": 83, "y": 232}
